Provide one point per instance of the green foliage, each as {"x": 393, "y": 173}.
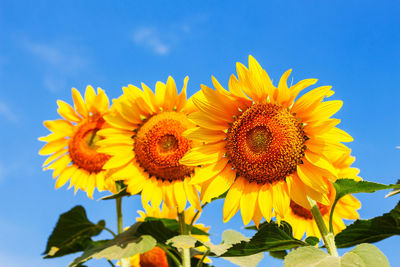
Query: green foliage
{"x": 372, "y": 230}
{"x": 173, "y": 225}
{"x": 363, "y": 255}
{"x": 229, "y": 238}
{"x": 312, "y": 240}
{"x": 270, "y": 237}
{"x": 122, "y": 246}
{"x": 394, "y": 191}
{"x": 72, "y": 233}
{"x": 350, "y": 186}
{"x": 121, "y": 193}
{"x": 310, "y": 256}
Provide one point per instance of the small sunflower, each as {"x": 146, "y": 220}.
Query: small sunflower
{"x": 72, "y": 145}
{"x": 263, "y": 145}
{"x": 156, "y": 257}
{"x": 302, "y": 220}
{"x": 146, "y": 144}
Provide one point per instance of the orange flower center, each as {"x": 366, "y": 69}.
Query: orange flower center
{"x": 156, "y": 257}
{"x": 265, "y": 143}
{"x": 305, "y": 213}
{"x": 82, "y": 146}
{"x": 159, "y": 145}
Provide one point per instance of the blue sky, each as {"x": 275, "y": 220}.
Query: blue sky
{"x": 47, "y": 47}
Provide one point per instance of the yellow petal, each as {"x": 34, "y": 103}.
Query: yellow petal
{"x": 280, "y": 198}
{"x": 219, "y": 184}
{"x": 202, "y": 120}
{"x": 203, "y": 155}
{"x": 171, "y": 94}
{"x": 181, "y": 102}
{"x": 179, "y": 194}
{"x": 79, "y": 104}
{"x": 60, "y": 126}
{"x": 192, "y": 194}
{"x": 207, "y": 172}
{"x": 248, "y": 201}
{"x": 90, "y": 96}
{"x": 67, "y": 112}
{"x": 91, "y": 182}
{"x": 118, "y": 161}
{"x": 53, "y": 147}
{"x": 232, "y": 200}
{"x": 65, "y": 176}
{"x": 265, "y": 201}
{"x": 205, "y": 135}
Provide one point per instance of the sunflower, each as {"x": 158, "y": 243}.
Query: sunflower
{"x": 157, "y": 257}
{"x": 302, "y": 220}
{"x": 146, "y": 144}
{"x": 72, "y": 145}
{"x": 262, "y": 145}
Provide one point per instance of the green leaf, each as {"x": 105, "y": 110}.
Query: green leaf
{"x": 312, "y": 240}
{"x": 394, "y": 191}
{"x": 310, "y": 256}
{"x": 246, "y": 261}
{"x": 372, "y": 230}
{"x": 119, "y": 194}
{"x": 72, "y": 233}
{"x": 364, "y": 255}
{"x": 229, "y": 237}
{"x": 278, "y": 254}
{"x": 173, "y": 225}
{"x": 270, "y": 237}
{"x": 349, "y": 186}
{"x": 122, "y": 246}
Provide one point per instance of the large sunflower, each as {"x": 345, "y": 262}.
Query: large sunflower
{"x": 73, "y": 143}
{"x": 262, "y": 145}
{"x": 146, "y": 144}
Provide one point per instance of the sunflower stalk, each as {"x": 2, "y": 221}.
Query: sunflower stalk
{"x": 184, "y": 231}
{"x": 118, "y": 201}
{"x": 327, "y": 237}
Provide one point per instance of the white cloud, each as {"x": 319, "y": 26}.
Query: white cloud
{"x": 2, "y": 172}
{"x": 150, "y": 38}
{"x": 62, "y": 58}
{"x": 61, "y": 62}
{"x": 6, "y": 113}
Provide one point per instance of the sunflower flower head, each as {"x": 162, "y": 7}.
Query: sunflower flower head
{"x": 72, "y": 145}
{"x": 263, "y": 144}
{"x": 302, "y": 220}
{"x": 146, "y": 143}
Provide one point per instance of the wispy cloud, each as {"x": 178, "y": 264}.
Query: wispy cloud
{"x": 8, "y": 114}
{"x": 60, "y": 62}
{"x": 150, "y": 37}
{"x": 2, "y": 173}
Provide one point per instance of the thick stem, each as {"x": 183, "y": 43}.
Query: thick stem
{"x": 119, "y": 215}
{"x": 184, "y": 231}
{"x": 118, "y": 201}
{"x": 327, "y": 237}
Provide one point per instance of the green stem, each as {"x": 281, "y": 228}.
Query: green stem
{"x": 119, "y": 215}
{"x": 200, "y": 263}
{"x": 195, "y": 216}
{"x": 110, "y": 231}
{"x": 327, "y": 237}
{"x": 170, "y": 254}
{"x": 331, "y": 217}
{"x": 111, "y": 263}
{"x": 118, "y": 201}
{"x": 184, "y": 231}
